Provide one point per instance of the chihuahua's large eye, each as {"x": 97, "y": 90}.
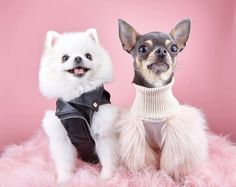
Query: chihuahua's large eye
{"x": 142, "y": 49}
{"x": 174, "y": 48}
{"x": 65, "y": 58}
{"x": 89, "y": 56}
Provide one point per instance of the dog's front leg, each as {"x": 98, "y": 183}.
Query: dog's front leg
{"x": 105, "y": 147}
{"x": 106, "y": 139}
{"x": 62, "y": 151}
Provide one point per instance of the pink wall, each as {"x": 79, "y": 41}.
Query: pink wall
{"x": 205, "y": 74}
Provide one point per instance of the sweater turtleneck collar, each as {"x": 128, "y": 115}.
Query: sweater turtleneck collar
{"x": 155, "y": 103}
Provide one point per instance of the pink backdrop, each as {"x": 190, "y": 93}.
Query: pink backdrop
{"x": 205, "y": 74}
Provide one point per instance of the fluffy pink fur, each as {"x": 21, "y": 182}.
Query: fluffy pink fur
{"x": 29, "y": 165}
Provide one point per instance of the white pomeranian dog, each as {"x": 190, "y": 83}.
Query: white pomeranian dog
{"x": 73, "y": 69}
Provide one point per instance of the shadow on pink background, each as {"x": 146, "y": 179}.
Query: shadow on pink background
{"x": 205, "y": 75}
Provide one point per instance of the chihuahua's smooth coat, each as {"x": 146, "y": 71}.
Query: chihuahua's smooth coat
{"x": 154, "y": 53}
{"x": 158, "y": 131}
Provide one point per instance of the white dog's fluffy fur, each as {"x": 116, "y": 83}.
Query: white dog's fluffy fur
{"x": 183, "y": 143}
{"x": 55, "y": 82}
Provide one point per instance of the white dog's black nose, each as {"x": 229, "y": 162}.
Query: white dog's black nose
{"x": 161, "y": 52}
{"x": 78, "y": 59}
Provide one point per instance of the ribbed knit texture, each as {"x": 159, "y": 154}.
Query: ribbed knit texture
{"x": 155, "y": 103}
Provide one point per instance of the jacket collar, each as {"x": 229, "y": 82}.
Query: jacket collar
{"x": 92, "y": 100}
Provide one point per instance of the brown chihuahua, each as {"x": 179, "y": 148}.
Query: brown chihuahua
{"x": 158, "y": 131}
{"x": 154, "y": 53}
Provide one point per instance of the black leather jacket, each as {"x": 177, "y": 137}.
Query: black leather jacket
{"x": 76, "y": 116}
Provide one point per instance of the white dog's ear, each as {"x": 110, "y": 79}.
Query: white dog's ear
{"x": 93, "y": 34}
{"x": 51, "y": 39}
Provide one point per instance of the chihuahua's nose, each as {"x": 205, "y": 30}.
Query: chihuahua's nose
{"x": 161, "y": 52}
{"x": 78, "y": 59}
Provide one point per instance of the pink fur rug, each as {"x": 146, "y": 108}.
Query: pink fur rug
{"x": 29, "y": 165}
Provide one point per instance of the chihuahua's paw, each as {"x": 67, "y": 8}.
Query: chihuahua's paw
{"x": 106, "y": 174}
{"x": 64, "y": 177}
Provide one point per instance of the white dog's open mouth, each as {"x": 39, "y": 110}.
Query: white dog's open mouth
{"x": 78, "y": 71}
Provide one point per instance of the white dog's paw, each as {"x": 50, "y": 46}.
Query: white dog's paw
{"x": 106, "y": 174}
{"x": 64, "y": 177}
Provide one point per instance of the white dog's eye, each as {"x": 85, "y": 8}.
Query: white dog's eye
{"x": 65, "y": 58}
{"x": 88, "y": 56}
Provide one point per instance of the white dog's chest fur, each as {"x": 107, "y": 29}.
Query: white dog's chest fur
{"x": 102, "y": 122}
{"x": 153, "y": 133}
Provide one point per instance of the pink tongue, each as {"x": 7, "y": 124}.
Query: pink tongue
{"x": 79, "y": 71}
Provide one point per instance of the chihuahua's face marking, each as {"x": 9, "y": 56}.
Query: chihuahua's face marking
{"x": 154, "y": 53}
{"x": 167, "y": 42}
{"x": 154, "y": 59}
{"x": 149, "y": 42}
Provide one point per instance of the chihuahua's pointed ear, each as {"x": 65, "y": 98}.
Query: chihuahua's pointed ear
{"x": 128, "y": 35}
{"x": 51, "y": 39}
{"x": 181, "y": 33}
{"x": 93, "y": 34}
